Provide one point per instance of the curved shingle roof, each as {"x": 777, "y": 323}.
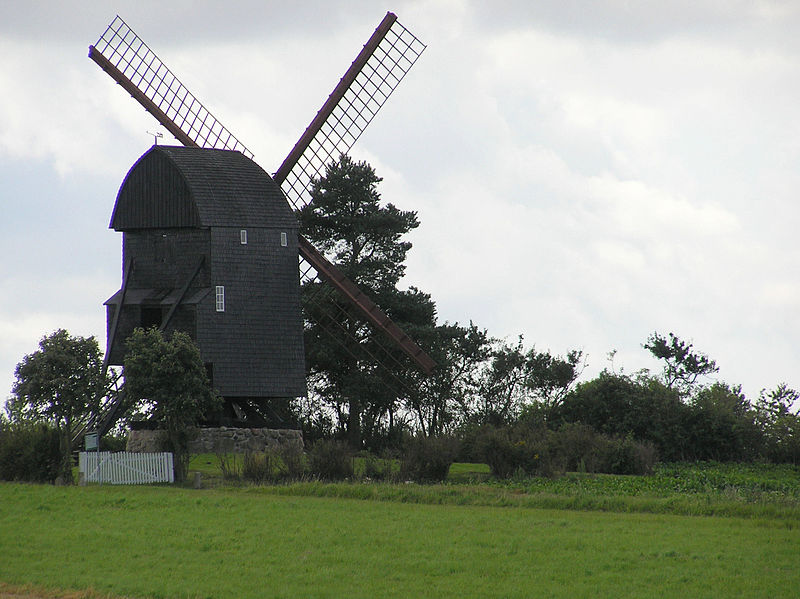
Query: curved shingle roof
{"x": 175, "y": 186}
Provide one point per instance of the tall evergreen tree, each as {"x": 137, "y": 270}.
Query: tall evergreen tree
{"x": 364, "y": 238}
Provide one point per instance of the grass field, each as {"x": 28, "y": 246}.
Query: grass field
{"x": 371, "y": 540}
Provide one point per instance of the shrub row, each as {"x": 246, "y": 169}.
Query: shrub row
{"x": 542, "y": 452}
{"x": 424, "y": 459}
{"x": 29, "y": 452}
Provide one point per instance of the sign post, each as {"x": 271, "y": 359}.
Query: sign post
{"x": 92, "y": 441}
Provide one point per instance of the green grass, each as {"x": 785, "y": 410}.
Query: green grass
{"x": 742, "y": 490}
{"x": 177, "y": 542}
{"x": 697, "y": 530}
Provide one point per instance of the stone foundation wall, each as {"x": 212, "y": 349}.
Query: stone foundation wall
{"x": 220, "y": 440}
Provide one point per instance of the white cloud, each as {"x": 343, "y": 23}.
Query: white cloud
{"x": 582, "y": 176}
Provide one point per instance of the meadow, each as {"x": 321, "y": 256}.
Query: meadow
{"x": 696, "y": 531}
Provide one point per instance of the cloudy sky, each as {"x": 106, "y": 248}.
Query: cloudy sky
{"x": 585, "y": 173}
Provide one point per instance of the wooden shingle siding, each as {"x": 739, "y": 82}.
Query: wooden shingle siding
{"x": 256, "y": 345}
{"x": 178, "y": 205}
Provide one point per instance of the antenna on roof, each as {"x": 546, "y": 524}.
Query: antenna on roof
{"x": 156, "y": 136}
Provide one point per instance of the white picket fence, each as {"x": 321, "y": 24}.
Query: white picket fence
{"x": 123, "y": 468}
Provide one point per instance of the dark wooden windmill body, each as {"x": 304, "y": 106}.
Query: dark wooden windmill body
{"x": 210, "y": 249}
{"x": 184, "y": 293}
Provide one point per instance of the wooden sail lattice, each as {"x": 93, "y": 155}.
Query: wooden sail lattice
{"x": 374, "y": 75}
{"x": 175, "y": 107}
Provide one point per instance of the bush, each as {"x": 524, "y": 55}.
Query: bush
{"x": 29, "y": 452}
{"x": 628, "y": 456}
{"x": 519, "y": 451}
{"x": 114, "y": 443}
{"x": 229, "y": 466}
{"x": 494, "y": 447}
{"x": 581, "y": 448}
{"x": 428, "y": 459}
{"x": 574, "y": 447}
{"x": 259, "y": 467}
{"x": 292, "y": 462}
{"x": 376, "y": 468}
{"x": 330, "y": 460}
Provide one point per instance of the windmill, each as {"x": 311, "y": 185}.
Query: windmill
{"x": 378, "y": 69}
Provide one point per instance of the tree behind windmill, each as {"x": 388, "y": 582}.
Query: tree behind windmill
{"x": 364, "y": 238}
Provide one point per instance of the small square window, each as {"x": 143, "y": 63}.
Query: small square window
{"x": 220, "y": 298}
{"x": 243, "y": 236}
{"x": 284, "y": 239}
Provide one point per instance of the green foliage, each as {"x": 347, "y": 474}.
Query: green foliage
{"x": 781, "y": 426}
{"x": 619, "y": 405}
{"x": 516, "y": 377}
{"x": 682, "y": 365}
{"x": 522, "y": 451}
{"x": 707, "y": 488}
{"x": 427, "y": 459}
{"x": 60, "y": 383}
{"x": 168, "y": 380}
{"x": 29, "y": 452}
{"x": 259, "y": 467}
{"x": 114, "y": 442}
{"x": 375, "y": 468}
{"x": 230, "y": 466}
{"x": 292, "y": 462}
{"x": 330, "y": 459}
{"x": 442, "y": 400}
{"x": 274, "y": 464}
{"x": 722, "y": 425}
{"x": 346, "y": 220}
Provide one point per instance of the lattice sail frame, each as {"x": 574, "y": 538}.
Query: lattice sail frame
{"x": 358, "y": 97}
{"x": 187, "y": 119}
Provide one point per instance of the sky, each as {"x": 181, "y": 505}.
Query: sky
{"x": 585, "y": 173}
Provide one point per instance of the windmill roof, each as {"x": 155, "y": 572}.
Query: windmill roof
{"x": 176, "y": 186}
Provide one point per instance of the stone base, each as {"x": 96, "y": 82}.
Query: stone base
{"x": 219, "y": 440}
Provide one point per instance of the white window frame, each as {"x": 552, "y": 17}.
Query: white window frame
{"x": 284, "y": 239}
{"x": 219, "y": 297}
{"x": 243, "y": 236}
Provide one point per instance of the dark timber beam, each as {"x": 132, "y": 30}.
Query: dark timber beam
{"x": 182, "y": 294}
{"x": 368, "y": 309}
{"x": 115, "y": 323}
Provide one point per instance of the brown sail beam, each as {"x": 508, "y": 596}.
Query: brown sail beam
{"x": 368, "y": 309}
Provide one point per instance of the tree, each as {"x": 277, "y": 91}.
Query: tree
{"x": 620, "y": 405}
{"x": 722, "y": 424}
{"x": 443, "y": 399}
{"x": 60, "y": 383}
{"x": 781, "y": 425}
{"x": 516, "y": 377}
{"x": 682, "y": 366}
{"x": 168, "y": 380}
{"x": 347, "y": 221}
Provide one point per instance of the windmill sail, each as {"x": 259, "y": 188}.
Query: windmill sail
{"x": 377, "y": 71}
{"x": 131, "y": 63}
